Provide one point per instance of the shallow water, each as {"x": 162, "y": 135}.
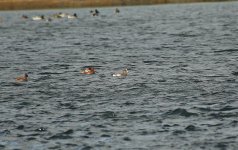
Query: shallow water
{"x": 181, "y": 91}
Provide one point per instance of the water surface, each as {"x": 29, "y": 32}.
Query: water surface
{"x": 181, "y": 91}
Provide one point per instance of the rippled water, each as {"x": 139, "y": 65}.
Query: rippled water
{"x": 181, "y": 91}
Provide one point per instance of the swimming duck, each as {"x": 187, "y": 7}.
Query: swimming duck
{"x": 72, "y": 16}
{"x": 89, "y": 70}
{"x": 24, "y": 17}
{"x": 62, "y": 15}
{"x": 122, "y": 73}
{"x": 38, "y": 18}
{"x": 56, "y": 16}
{"x": 117, "y": 11}
{"x": 95, "y": 12}
{"x": 22, "y": 78}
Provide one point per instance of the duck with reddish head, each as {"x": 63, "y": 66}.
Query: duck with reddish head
{"x": 22, "y": 78}
{"x": 89, "y": 70}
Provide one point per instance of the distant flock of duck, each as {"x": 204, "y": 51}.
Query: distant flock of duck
{"x": 59, "y": 15}
{"x": 87, "y": 71}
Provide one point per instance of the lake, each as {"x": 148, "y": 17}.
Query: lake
{"x": 180, "y": 93}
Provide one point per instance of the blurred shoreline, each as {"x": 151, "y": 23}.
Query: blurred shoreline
{"x": 54, "y": 4}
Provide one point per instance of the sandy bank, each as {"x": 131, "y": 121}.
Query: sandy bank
{"x": 50, "y": 4}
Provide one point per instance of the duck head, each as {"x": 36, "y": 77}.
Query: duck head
{"x": 26, "y": 75}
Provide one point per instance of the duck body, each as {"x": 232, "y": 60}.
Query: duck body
{"x": 62, "y": 15}
{"x": 23, "y": 78}
{"x": 117, "y": 11}
{"x": 94, "y": 12}
{"x": 88, "y": 71}
{"x": 72, "y": 16}
{"x": 24, "y": 17}
{"x": 36, "y": 18}
{"x": 122, "y": 73}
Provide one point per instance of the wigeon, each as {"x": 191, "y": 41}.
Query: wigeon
{"x": 122, "y": 73}
{"x": 22, "y": 78}
{"x": 89, "y": 70}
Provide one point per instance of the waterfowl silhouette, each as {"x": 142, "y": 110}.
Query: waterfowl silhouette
{"x": 62, "y": 15}
{"x": 95, "y": 12}
{"x": 117, "y": 11}
{"x": 121, "y": 73}
{"x": 89, "y": 70}
{"x": 72, "y": 16}
{"x": 56, "y": 16}
{"x": 22, "y": 78}
{"x": 35, "y": 18}
{"x": 24, "y": 17}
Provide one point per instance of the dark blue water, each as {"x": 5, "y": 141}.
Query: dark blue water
{"x": 181, "y": 91}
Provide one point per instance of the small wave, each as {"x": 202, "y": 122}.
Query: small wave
{"x": 85, "y": 147}
{"x": 43, "y": 77}
{"x": 23, "y": 117}
{"x": 105, "y": 135}
{"x": 234, "y": 123}
{"x": 99, "y": 126}
{"x": 232, "y": 137}
{"x": 20, "y": 127}
{"x": 25, "y": 103}
{"x": 228, "y": 108}
{"x": 18, "y": 83}
{"x": 127, "y": 139}
{"x": 226, "y": 50}
{"x": 192, "y": 128}
{"x": 185, "y": 34}
{"x": 129, "y": 103}
{"x": 235, "y": 73}
{"x": 157, "y": 48}
{"x": 108, "y": 114}
{"x": 104, "y": 39}
{"x": 215, "y": 76}
{"x": 8, "y": 122}
{"x": 224, "y": 115}
{"x": 221, "y": 145}
{"x": 178, "y": 132}
{"x": 213, "y": 125}
{"x": 206, "y": 109}
{"x": 78, "y": 43}
{"x": 150, "y": 62}
{"x": 4, "y": 132}
{"x": 4, "y": 67}
{"x": 49, "y": 73}
{"x": 67, "y": 105}
{"x": 63, "y": 135}
{"x": 71, "y": 145}
{"x": 181, "y": 112}
{"x": 31, "y": 139}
